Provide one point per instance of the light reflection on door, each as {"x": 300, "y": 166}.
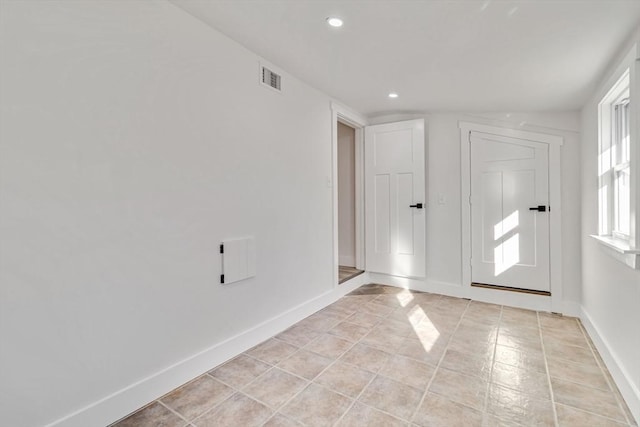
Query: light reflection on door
{"x": 507, "y": 251}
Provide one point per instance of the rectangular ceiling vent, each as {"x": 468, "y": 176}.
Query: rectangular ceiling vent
{"x": 271, "y": 79}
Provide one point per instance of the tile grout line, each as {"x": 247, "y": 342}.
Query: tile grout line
{"x": 212, "y": 409}
{"x": 338, "y": 314}
{"x": 604, "y": 417}
{"x": 493, "y": 363}
{"x": 599, "y": 415}
{"x": 275, "y": 409}
{"x": 372, "y": 378}
{"x": 358, "y": 341}
{"x": 355, "y": 400}
{"x": 546, "y": 367}
{"x": 333, "y": 363}
{"x": 190, "y": 422}
{"x": 310, "y": 382}
{"x": 435, "y": 372}
{"x": 240, "y": 390}
{"x": 435, "y": 366}
{"x": 376, "y": 375}
{"x": 612, "y": 387}
{"x": 175, "y": 412}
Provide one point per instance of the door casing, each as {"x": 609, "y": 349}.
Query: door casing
{"x": 495, "y": 156}
{"x": 340, "y": 113}
{"x": 555, "y": 301}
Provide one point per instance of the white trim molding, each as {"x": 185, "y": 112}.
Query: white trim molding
{"x": 621, "y": 377}
{"x": 123, "y": 402}
{"x": 626, "y": 76}
{"x": 512, "y": 133}
{"x": 554, "y": 303}
{"x": 511, "y": 299}
{"x": 340, "y": 113}
{"x": 619, "y": 250}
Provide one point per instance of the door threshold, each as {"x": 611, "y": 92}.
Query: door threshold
{"x": 508, "y": 288}
{"x": 347, "y": 273}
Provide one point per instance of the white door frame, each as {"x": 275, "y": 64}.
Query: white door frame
{"x": 555, "y": 231}
{"x": 340, "y": 113}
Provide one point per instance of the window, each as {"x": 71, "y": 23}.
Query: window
{"x": 614, "y": 170}
{"x": 618, "y": 212}
{"x": 620, "y": 166}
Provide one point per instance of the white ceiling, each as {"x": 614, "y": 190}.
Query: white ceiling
{"x": 473, "y": 55}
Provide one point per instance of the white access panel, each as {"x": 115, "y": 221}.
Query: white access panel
{"x": 238, "y": 259}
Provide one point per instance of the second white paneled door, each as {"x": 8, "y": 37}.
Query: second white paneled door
{"x": 395, "y": 198}
{"x": 509, "y": 212}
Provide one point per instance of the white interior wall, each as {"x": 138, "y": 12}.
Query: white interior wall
{"x": 443, "y": 191}
{"x": 134, "y": 140}
{"x": 611, "y": 289}
{"x": 128, "y": 131}
{"x": 346, "y": 195}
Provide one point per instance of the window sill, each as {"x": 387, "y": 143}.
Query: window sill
{"x": 620, "y": 250}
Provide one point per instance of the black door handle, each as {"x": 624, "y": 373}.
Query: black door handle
{"x": 539, "y": 208}
{"x": 417, "y": 205}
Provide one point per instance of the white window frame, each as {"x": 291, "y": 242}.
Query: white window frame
{"x": 610, "y": 161}
{"x": 623, "y": 85}
{"x": 621, "y": 165}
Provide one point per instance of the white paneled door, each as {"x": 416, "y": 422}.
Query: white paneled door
{"x": 509, "y": 212}
{"x": 394, "y": 198}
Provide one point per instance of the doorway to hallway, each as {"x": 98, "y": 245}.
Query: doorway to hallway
{"x": 347, "y": 197}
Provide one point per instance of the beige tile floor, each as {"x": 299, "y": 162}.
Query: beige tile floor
{"x": 383, "y": 356}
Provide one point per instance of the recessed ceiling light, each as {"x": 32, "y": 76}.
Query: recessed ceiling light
{"x": 393, "y": 95}
{"x": 334, "y": 21}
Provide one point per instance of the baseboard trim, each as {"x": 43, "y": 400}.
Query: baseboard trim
{"x": 493, "y": 296}
{"x": 443, "y": 288}
{"x": 571, "y": 308}
{"x": 629, "y": 391}
{"x": 121, "y": 403}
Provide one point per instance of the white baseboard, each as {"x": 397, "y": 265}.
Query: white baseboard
{"x": 493, "y": 296}
{"x": 629, "y": 391}
{"x": 443, "y": 288}
{"x": 121, "y": 403}
{"x": 399, "y": 282}
{"x": 124, "y": 401}
{"x": 571, "y": 308}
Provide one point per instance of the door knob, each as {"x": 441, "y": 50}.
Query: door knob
{"x": 417, "y": 205}
{"x": 539, "y": 208}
